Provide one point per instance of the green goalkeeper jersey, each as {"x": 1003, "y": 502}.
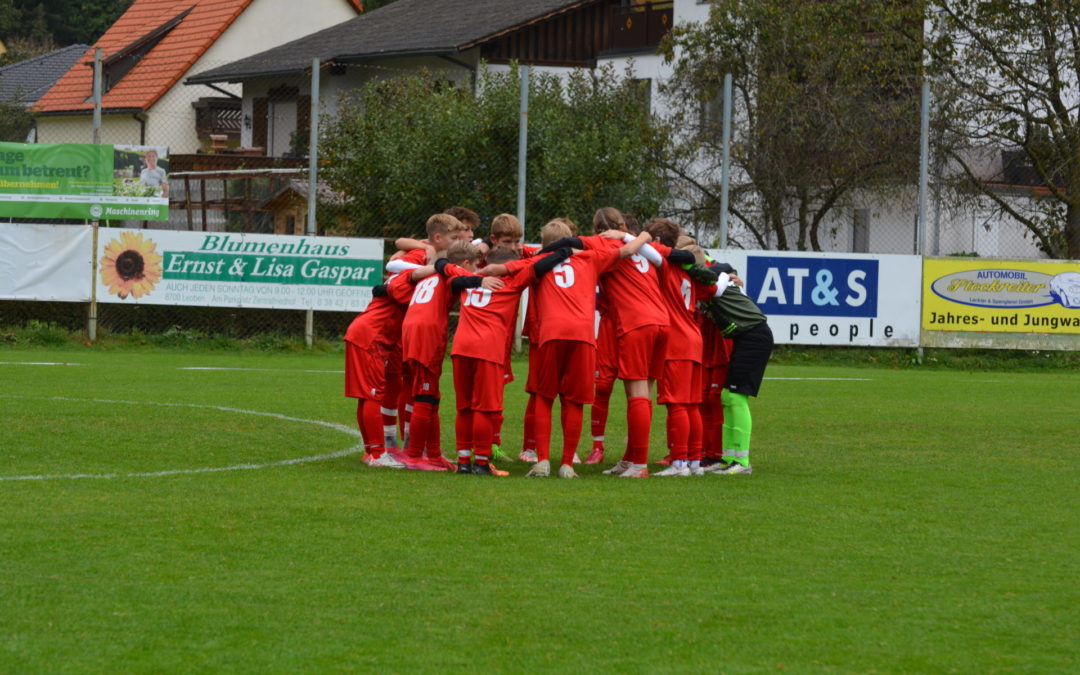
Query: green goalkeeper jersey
{"x": 733, "y": 312}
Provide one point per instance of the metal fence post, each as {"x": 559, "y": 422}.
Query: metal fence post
{"x": 725, "y": 165}
{"x": 92, "y": 317}
{"x": 523, "y": 156}
{"x": 313, "y": 181}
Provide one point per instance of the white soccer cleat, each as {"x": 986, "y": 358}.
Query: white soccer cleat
{"x": 528, "y": 456}
{"x": 567, "y": 471}
{"x": 618, "y": 468}
{"x": 719, "y": 467}
{"x": 540, "y": 470}
{"x": 577, "y": 460}
{"x": 697, "y": 471}
{"x": 636, "y": 471}
{"x": 735, "y": 469}
{"x": 384, "y": 461}
{"x": 681, "y": 471}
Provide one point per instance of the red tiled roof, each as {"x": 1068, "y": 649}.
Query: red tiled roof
{"x": 162, "y": 67}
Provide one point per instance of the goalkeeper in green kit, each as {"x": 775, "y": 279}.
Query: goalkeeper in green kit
{"x": 740, "y": 319}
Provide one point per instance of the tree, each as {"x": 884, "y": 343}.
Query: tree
{"x": 402, "y": 149}
{"x": 1006, "y": 76}
{"x": 826, "y": 105}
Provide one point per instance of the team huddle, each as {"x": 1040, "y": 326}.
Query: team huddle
{"x": 643, "y": 307}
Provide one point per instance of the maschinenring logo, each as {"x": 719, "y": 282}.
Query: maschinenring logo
{"x": 96, "y": 211}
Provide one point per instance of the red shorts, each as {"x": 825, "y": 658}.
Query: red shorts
{"x": 607, "y": 358}
{"x": 393, "y": 359}
{"x": 425, "y": 381}
{"x": 712, "y": 381}
{"x": 365, "y": 371}
{"x": 534, "y": 367}
{"x": 478, "y": 384}
{"x": 681, "y": 382}
{"x": 563, "y": 369}
{"x": 641, "y": 353}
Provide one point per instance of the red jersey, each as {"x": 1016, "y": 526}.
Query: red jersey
{"x": 381, "y": 321}
{"x": 424, "y": 330}
{"x": 567, "y": 296}
{"x": 632, "y": 288}
{"x": 486, "y": 321}
{"x": 681, "y": 295}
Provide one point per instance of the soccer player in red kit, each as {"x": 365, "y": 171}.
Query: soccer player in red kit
{"x": 680, "y": 386}
{"x": 632, "y": 289}
{"x": 369, "y": 343}
{"x": 478, "y": 351}
{"x": 567, "y": 343}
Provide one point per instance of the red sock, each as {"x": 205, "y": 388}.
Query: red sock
{"x": 390, "y": 398}
{"x": 542, "y": 427}
{"x": 678, "y": 430}
{"x": 434, "y": 439}
{"x": 496, "y": 429}
{"x": 638, "y": 423}
{"x": 573, "y": 418}
{"x": 716, "y": 433}
{"x": 463, "y": 428}
{"x": 695, "y": 446}
{"x": 482, "y": 430}
{"x": 528, "y": 437}
{"x": 420, "y": 428}
{"x": 369, "y": 419}
{"x": 705, "y": 412}
{"x": 600, "y": 412}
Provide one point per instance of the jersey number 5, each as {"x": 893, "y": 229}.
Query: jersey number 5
{"x": 564, "y": 275}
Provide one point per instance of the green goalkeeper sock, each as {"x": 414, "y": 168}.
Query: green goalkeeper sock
{"x": 737, "y": 427}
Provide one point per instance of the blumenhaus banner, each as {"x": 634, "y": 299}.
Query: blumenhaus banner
{"x": 90, "y": 182}
{"x": 215, "y": 269}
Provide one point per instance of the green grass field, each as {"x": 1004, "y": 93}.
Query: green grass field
{"x": 154, "y": 518}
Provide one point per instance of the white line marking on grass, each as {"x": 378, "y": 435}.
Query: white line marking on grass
{"x": 264, "y": 370}
{"x": 215, "y": 469}
{"x": 37, "y": 363}
{"x": 824, "y": 379}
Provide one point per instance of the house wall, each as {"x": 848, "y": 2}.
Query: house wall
{"x": 115, "y": 129}
{"x": 171, "y": 120}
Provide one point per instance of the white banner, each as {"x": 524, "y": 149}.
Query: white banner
{"x": 45, "y": 262}
{"x": 833, "y": 298}
{"x": 220, "y": 269}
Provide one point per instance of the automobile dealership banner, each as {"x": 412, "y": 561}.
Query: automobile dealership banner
{"x": 224, "y": 269}
{"x": 45, "y": 262}
{"x": 833, "y": 298}
{"x": 91, "y": 182}
{"x": 1001, "y": 296}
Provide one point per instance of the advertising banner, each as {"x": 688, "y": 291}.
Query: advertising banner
{"x": 1001, "y": 296}
{"x": 45, "y": 262}
{"x": 90, "y": 182}
{"x": 833, "y": 298}
{"x": 220, "y": 269}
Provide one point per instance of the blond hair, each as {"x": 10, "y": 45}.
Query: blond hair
{"x": 554, "y": 231}
{"x": 506, "y": 225}
{"x": 462, "y": 252}
{"x": 440, "y": 223}
{"x": 699, "y": 253}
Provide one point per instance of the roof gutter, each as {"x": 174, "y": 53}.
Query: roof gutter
{"x": 141, "y": 119}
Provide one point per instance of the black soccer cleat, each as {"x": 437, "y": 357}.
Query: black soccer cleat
{"x": 465, "y": 468}
{"x": 482, "y": 470}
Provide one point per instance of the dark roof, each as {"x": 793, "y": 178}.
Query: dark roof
{"x": 402, "y": 28}
{"x": 26, "y": 81}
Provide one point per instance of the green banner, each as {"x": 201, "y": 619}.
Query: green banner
{"x": 268, "y": 269}
{"x": 68, "y": 180}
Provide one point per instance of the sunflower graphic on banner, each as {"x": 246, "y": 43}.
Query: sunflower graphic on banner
{"x": 131, "y": 265}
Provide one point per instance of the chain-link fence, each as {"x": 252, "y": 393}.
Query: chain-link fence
{"x": 390, "y": 154}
